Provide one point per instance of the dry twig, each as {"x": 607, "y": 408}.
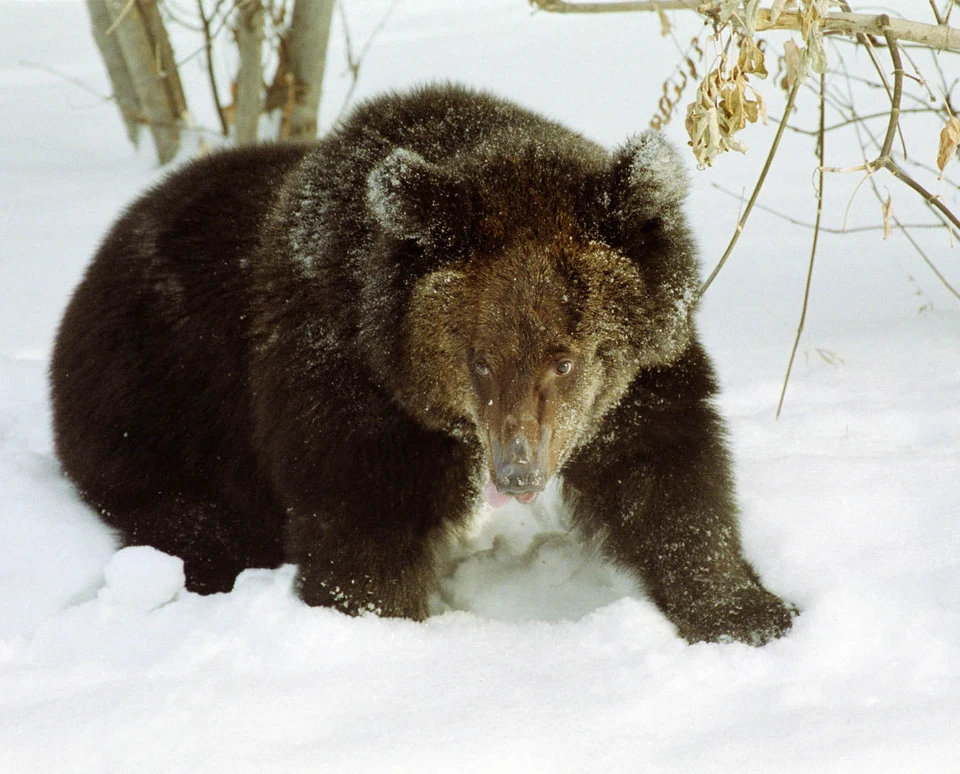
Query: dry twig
{"x": 813, "y": 248}
{"x": 884, "y": 160}
{"x": 756, "y": 191}
{"x": 205, "y": 22}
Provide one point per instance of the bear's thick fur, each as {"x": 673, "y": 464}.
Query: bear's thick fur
{"x": 324, "y": 354}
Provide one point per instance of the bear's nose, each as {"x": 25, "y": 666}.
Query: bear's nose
{"x": 519, "y": 450}
{"x": 517, "y": 471}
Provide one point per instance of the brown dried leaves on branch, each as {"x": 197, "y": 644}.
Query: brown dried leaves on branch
{"x": 725, "y": 103}
{"x": 675, "y": 85}
{"x": 949, "y": 142}
{"x": 888, "y": 217}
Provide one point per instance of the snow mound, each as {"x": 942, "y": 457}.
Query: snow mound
{"x": 526, "y": 563}
{"x": 142, "y": 578}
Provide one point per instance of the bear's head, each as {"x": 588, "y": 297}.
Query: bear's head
{"x": 540, "y": 288}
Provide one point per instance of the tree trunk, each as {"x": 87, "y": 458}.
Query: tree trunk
{"x": 309, "y": 34}
{"x": 163, "y": 53}
{"x": 123, "y": 91}
{"x": 250, "y": 77}
{"x": 142, "y": 69}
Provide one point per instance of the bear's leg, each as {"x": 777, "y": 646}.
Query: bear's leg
{"x": 368, "y": 538}
{"x": 217, "y": 537}
{"x": 385, "y": 572}
{"x": 657, "y": 491}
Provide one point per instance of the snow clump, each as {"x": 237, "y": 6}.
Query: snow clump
{"x": 142, "y": 578}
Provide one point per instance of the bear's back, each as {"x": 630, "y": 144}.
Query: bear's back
{"x": 153, "y": 336}
{"x": 443, "y": 121}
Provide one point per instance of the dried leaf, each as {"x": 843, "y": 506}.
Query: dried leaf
{"x": 949, "y": 142}
{"x": 725, "y": 103}
{"x": 761, "y": 107}
{"x": 751, "y": 9}
{"x": 887, "y": 212}
{"x": 818, "y": 55}
{"x": 665, "y": 26}
{"x": 797, "y": 61}
{"x": 726, "y": 10}
{"x": 830, "y": 357}
{"x": 812, "y": 12}
{"x": 750, "y": 58}
{"x": 731, "y": 106}
{"x": 729, "y": 143}
{"x": 703, "y": 127}
{"x": 776, "y": 9}
{"x": 703, "y": 122}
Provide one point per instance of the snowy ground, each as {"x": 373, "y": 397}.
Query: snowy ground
{"x": 541, "y": 658}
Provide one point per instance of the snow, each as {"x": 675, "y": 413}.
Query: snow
{"x": 541, "y": 657}
{"x": 142, "y": 578}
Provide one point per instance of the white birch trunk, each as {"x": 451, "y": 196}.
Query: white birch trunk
{"x": 309, "y": 33}
{"x": 142, "y": 69}
{"x": 249, "y": 102}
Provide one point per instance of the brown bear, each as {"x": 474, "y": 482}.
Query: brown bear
{"x": 324, "y": 354}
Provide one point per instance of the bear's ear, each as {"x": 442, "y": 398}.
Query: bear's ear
{"x": 412, "y": 198}
{"x": 648, "y": 182}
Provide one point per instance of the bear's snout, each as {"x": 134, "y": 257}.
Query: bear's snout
{"x": 518, "y": 468}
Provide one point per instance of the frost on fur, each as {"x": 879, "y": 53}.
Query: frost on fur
{"x": 656, "y": 177}
{"x": 412, "y": 198}
{"x": 387, "y": 192}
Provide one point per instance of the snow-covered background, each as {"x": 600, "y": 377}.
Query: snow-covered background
{"x": 541, "y": 658}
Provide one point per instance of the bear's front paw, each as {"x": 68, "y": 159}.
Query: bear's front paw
{"x": 751, "y": 615}
{"x": 361, "y": 598}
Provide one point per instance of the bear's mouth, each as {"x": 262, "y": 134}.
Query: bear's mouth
{"x": 497, "y": 499}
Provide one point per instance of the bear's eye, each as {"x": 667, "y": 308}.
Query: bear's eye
{"x": 481, "y": 368}
{"x": 563, "y": 367}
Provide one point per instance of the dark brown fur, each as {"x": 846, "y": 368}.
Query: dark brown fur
{"x": 320, "y": 354}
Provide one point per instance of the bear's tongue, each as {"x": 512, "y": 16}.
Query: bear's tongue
{"x": 497, "y": 499}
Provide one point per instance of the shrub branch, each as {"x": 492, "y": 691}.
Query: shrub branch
{"x": 813, "y": 247}
{"x": 756, "y": 190}
{"x": 884, "y": 160}
{"x": 937, "y": 36}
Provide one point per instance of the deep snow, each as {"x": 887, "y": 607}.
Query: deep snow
{"x": 541, "y": 657}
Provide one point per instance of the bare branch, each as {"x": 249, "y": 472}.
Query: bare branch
{"x": 813, "y": 248}
{"x": 859, "y": 128}
{"x": 938, "y": 36}
{"x": 68, "y": 78}
{"x": 354, "y": 61}
{"x": 123, "y": 15}
{"x": 884, "y": 159}
{"x": 756, "y": 191}
{"x": 558, "y": 6}
{"x": 935, "y": 36}
{"x": 894, "y": 123}
{"x": 865, "y": 41}
{"x": 211, "y": 74}
{"x": 823, "y": 229}
{"x": 932, "y": 199}
{"x": 936, "y": 13}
